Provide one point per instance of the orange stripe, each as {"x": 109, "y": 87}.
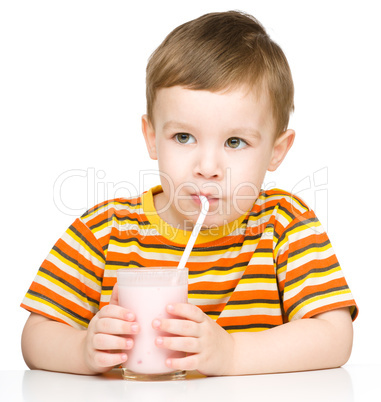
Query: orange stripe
{"x": 34, "y": 310}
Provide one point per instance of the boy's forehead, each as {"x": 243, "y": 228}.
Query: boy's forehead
{"x": 175, "y": 94}
{"x": 242, "y": 108}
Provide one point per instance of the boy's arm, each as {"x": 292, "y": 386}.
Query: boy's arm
{"x": 51, "y": 345}
{"x": 324, "y": 341}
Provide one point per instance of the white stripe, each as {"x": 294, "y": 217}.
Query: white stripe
{"x": 251, "y": 311}
{"x": 231, "y": 276}
{"x": 251, "y": 286}
{"x": 203, "y": 302}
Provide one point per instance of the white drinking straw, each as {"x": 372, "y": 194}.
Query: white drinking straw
{"x": 195, "y": 231}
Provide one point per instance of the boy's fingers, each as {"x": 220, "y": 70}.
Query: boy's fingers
{"x": 111, "y": 342}
{"x": 186, "y": 363}
{"x": 177, "y": 327}
{"x": 116, "y": 327}
{"x": 114, "y": 295}
{"x": 103, "y": 359}
{"x": 114, "y": 311}
{"x": 187, "y": 310}
{"x": 180, "y": 344}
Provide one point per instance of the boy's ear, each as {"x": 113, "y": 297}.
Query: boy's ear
{"x": 149, "y": 136}
{"x": 281, "y": 146}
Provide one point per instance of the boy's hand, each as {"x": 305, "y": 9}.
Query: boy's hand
{"x": 209, "y": 347}
{"x": 106, "y": 340}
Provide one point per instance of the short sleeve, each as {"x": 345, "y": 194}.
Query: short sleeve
{"x": 310, "y": 278}
{"x": 68, "y": 284}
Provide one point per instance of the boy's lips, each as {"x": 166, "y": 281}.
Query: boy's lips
{"x": 211, "y": 198}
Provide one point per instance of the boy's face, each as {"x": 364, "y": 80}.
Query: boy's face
{"x": 217, "y": 144}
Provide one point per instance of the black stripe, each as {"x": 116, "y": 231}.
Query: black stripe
{"x": 214, "y": 313}
{"x": 264, "y": 250}
{"x": 276, "y": 234}
{"x": 260, "y": 234}
{"x": 106, "y": 203}
{"x": 311, "y": 271}
{"x": 272, "y": 208}
{"x": 298, "y": 223}
{"x": 69, "y": 285}
{"x": 68, "y": 311}
{"x": 83, "y": 238}
{"x": 145, "y": 245}
{"x": 301, "y": 250}
{"x": 107, "y": 288}
{"x": 258, "y": 276}
{"x": 119, "y": 219}
{"x": 74, "y": 261}
{"x": 172, "y": 247}
{"x": 123, "y": 263}
{"x": 311, "y": 245}
{"x": 221, "y": 269}
{"x": 286, "y": 197}
{"x": 286, "y": 211}
{"x": 262, "y": 211}
{"x": 247, "y": 326}
{"x": 210, "y": 292}
{"x": 323, "y": 292}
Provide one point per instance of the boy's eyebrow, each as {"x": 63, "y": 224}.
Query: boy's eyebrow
{"x": 235, "y": 132}
{"x": 251, "y": 132}
{"x": 176, "y": 124}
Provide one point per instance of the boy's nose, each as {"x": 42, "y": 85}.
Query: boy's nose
{"x": 208, "y": 166}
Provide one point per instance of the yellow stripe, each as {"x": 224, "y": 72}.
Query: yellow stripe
{"x": 286, "y": 216}
{"x": 213, "y": 272}
{"x": 209, "y": 296}
{"x": 258, "y": 280}
{"x": 251, "y": 305}
{"x": 246, "y": 330}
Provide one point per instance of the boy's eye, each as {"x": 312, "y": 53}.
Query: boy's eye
{"x": 235, "y": 143}
{"x": 184, "y": 138}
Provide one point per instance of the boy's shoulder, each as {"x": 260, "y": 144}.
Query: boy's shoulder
{"x": 278, "y": 198}
{"x": 116, "y": 209}
{"x": 279, "y": 206}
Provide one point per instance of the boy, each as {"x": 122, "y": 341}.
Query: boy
{"x": 266, "y": 293}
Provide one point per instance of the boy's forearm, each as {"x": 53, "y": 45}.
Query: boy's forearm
{"x": 317, "y": 343}
{"x": 51, "y": 345}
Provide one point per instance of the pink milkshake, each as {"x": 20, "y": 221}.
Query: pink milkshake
{"x": 147, "y": 292}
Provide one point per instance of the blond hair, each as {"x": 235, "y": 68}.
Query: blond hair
{"x": 221, "y": 51}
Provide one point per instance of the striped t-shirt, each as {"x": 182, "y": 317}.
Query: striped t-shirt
{"x": 272, "y": 265}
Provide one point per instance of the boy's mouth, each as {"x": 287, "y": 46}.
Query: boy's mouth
{"x": 211, "y": 199}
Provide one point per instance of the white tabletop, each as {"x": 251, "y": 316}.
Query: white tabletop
{"x": 351, "y": 383}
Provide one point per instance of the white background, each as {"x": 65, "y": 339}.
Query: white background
{"x": 72, "y": 91}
